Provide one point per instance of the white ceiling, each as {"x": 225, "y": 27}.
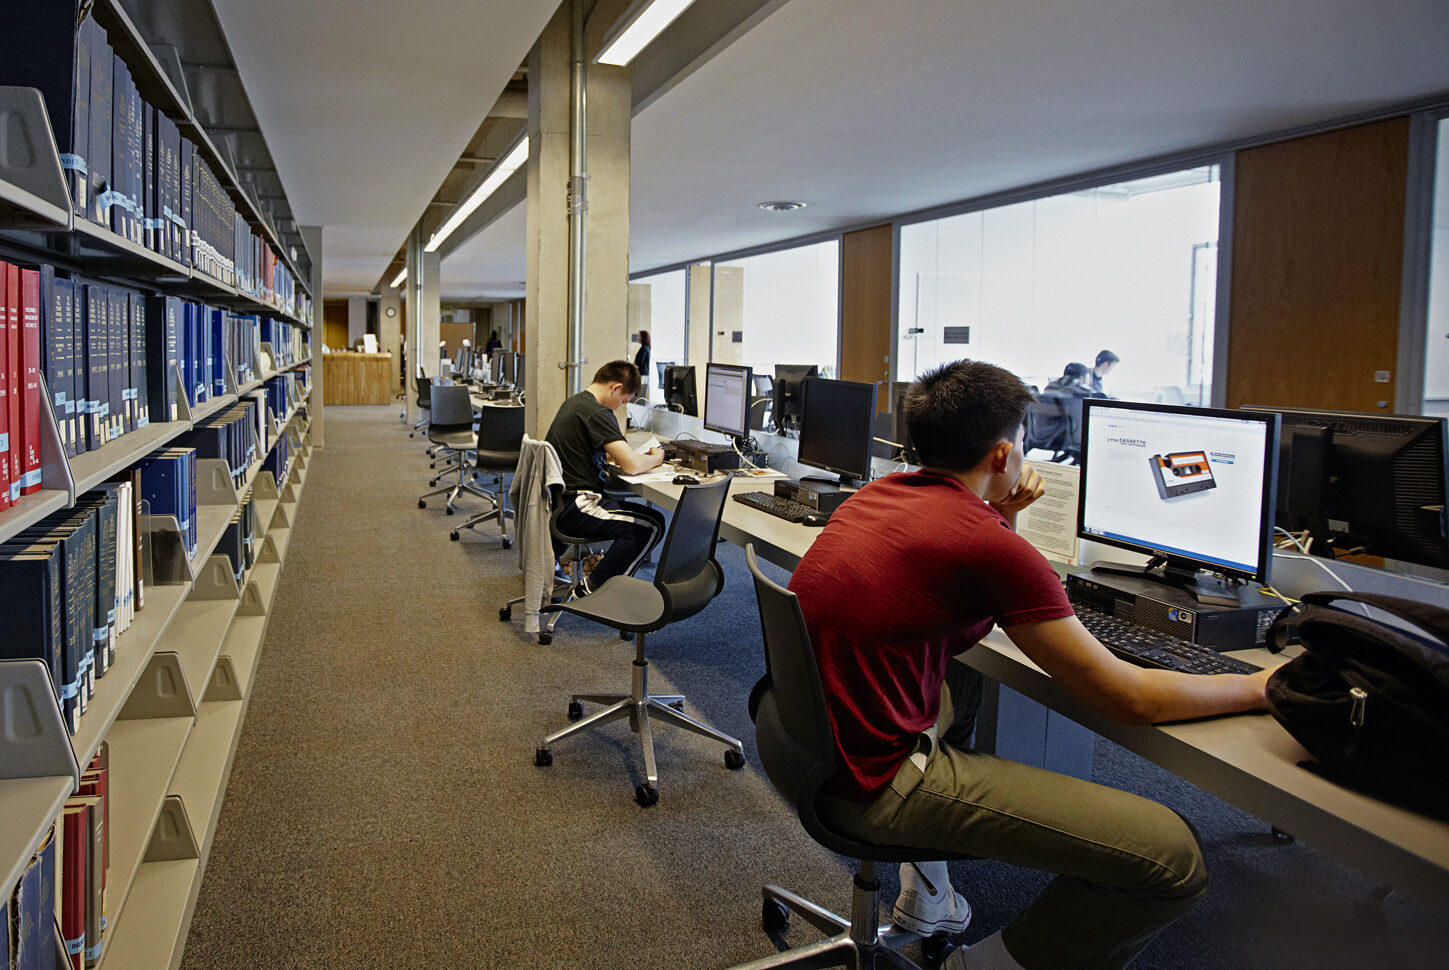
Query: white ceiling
{"x": 860, "y": 108}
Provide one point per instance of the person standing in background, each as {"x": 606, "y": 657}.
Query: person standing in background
{"x": 1106, "y": 360}
{"x": 641, "y": 358}
{"x": 492, "y": 345}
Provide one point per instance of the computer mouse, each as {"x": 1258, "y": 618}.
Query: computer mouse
{"x": 685, "y": 480}
{"x": 815, "y": 518}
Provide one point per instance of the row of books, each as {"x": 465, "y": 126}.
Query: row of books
{"x": 238, "y": 542}
{"x": 279, "y": 460}
{"x": 168, "y": 485}
{"x": 232, "y": 436}
{"x": 72, "y": 584}
{"x": 128, "y": 165}
{"x": 64, "y": 884}
{"x": 280, "y": 391}
{"x": 288, "y": 344}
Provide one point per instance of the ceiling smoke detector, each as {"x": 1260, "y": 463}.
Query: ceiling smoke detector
{"x": 781, "y": 206}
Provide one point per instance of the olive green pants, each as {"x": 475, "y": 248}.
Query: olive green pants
{"x": 1126, "y": 866}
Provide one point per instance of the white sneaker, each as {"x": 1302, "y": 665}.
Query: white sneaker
{"x": 920, "y": 910}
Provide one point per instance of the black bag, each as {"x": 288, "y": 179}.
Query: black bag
{"x": 1368, "y": 700}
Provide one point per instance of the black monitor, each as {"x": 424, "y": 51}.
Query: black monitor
{"x": 837, "y": 427}
{"x": 892, "y": 437}
{"x": 679, "y": 393}
{"x": 727, "y": 399}
{"x": 787, "y": 404}
{"x": 495, "y": 367}
{"x": 507, "y": 366}
{"x": 1192, "y": 488}
{"x": 518, "y": 370}
{"x": 1369, "y": 483}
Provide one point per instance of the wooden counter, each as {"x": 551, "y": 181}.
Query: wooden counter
{"x": 356, "y": 378}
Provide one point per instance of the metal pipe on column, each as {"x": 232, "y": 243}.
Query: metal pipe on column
{"x": 578, "y": 197}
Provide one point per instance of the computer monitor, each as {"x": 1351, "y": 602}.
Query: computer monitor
{"x": 518, "y": 370}
{"x": 787, "y": 404}
{"x": 727, "y": 399}
{"x": 1192, "y": 488}
{"x": 892, "y": 437}
{"x": 495, "y": 368}
{"x": 679, "y": 393}
{"x": 1370, "y": 483}
{"x": 460, "y": 361}
{"x": 507, "y": 366}
{"x": 837, "y": 427}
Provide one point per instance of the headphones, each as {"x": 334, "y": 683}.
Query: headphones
{"x": 1284, "y": 629}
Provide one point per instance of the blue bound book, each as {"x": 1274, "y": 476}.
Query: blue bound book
{"x": 101, "y": 100}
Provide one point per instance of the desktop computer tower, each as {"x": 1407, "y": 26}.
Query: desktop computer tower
{"x": 1173, "y": 611}
{"x": 818, "y": 495}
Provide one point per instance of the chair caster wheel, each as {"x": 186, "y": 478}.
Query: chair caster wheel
{"x": 542, "y": 757}
{"x": 625, "y": 636}
{"x": 734, "y": 761}
{"x": 544, "y": 639}
{"x": 453, "y": 535}
{"x": 936, "y": 948}
{"x": 774, "y": 916}
{"x": 450, "y": 510}
{"x": 432, "y": 483}
{"x": 677, "y": 705}
{"x": 505, "y": 613}
{"x": 576, "y": 710}
{"x": 507, "y": 543}
{"x": 646, "y": 796}
{"x": 422, "y": 504}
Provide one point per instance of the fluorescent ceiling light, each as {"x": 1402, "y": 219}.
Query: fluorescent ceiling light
{"x": 510, "y": 164}
{"x": 647, "y": 24}
{"x": 400, "y": 277}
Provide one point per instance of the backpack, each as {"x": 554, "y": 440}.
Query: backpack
{"x": 1369, "y": 701}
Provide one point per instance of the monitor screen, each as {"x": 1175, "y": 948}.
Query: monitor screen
{"x": 727, "y": 399}
{"x": 507, "y": 361}
{"x": 837, "y": 427}
{"x": 1370, "y": 483}
{"x": 495, "y": 367}
{"x": 1194, "y": 486}
{"x": 679, "y": 392}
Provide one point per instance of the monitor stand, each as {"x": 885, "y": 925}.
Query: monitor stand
{"x": 1205, "y": 589}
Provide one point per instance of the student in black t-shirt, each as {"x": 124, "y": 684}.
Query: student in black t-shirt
{"x": 586, "y": 436}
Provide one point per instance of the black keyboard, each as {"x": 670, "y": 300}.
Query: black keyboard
{"x": 788, "y": 509}
{"x": 1148, "y": 648}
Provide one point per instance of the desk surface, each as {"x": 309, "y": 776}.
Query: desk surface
{"x": 1246, "y": 760}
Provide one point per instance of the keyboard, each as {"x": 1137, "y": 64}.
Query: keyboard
{"x": 1148, "y": 648}
{"x": 788, "y": 509}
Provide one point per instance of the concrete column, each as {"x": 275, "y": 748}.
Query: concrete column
{"x": 389, "y": 329}
{"x": 356, "y": 319}
{"x": 424, "y": 313}
{"x": 607, "y": 234}
{"x": 697, "y": 340}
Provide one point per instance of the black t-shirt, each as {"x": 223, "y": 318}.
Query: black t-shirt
{"x": 579, "y": 433}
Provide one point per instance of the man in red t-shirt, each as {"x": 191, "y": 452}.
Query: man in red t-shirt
{"x": 913, "y": 570}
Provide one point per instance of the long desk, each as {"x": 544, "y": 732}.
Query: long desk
{"x": 1247, "y": 760}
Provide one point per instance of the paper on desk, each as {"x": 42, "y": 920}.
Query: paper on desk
{"x": 1050, "y": 523}
{"x": 663, "y": 473}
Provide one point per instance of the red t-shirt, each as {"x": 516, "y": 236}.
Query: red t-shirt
{"x": 912, "y": 570}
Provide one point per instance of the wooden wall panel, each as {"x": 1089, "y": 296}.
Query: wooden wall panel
{"x": 865, "y": 306}
{"x": 334, "y": 323}
{"x": 1318, "y": 243}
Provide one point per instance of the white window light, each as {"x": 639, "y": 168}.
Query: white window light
{"x": 510, "y": 164}
{"x": 648, "y": 23}
{"x": 400, "y": 277}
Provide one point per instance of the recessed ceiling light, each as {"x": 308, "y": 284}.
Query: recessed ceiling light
{"x": 781, "y": 206}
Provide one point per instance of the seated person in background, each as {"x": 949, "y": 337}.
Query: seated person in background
{"x": 1106, "y": 360}
{"x": 1056, "y": 423}
{"x": 586, "y": 435}
{"x": 1073, "y": 382}
{"x": 945, "y": 564}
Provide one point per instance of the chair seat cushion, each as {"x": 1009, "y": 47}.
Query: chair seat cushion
{"x": 459, "y": 440}
{"x": 624, "y": 603}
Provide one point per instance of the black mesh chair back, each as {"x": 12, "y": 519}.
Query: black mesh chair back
{"x": 451, "y": 410}
{"x": 425, "y": 388}
{"x": 688, "y": 574}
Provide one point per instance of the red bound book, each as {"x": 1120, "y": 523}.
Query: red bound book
{"x": 4, "y": 393}
{"x": 14, "y": 370}
{"x": 71, "y": 896}
{"x": 31, "y": 408}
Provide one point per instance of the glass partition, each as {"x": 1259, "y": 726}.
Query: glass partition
{"x": 658, "y": 304}
{"x": 781, "y": 307}
{"x": 1129, "y": 268}
{"x": 1436, "y": 350}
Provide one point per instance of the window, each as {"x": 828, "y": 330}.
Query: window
{"x": 778, "y": 308}
{"x": 1033, "y": 286}
{"x": 658, "y": 304}
{"x": 1436, "y": 351}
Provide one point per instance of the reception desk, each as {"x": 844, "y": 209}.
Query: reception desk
{"x": 357, "y": 378}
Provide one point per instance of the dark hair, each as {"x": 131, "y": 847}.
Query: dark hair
{"x": 619, "y": 371}
{"x": 1075, "y": 371}
{"x": 644, "y": 337}
{"x": 958, "y": 412}
{"x": 1106, "y": 357}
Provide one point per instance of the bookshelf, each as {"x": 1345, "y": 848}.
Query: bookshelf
{"x": 172, "y": 706}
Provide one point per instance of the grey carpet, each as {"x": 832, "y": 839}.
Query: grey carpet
{"x": 384, "y": 809}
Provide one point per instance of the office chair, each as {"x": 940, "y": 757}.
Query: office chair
{"x": 450, "y": 427}
{"x": 500, "y": 437}
{"x": 797, "y": 750}
{"x": 686, "y": 579}
{"x": 424, "y": 402}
